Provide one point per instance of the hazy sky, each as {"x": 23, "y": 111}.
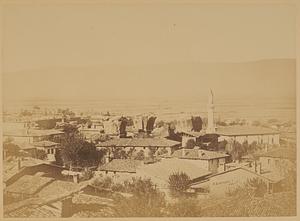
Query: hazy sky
{"x": 38, "y": 39}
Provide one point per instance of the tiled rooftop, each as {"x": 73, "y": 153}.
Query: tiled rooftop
{"x": 198, "y": 154}
{"x": 121, "y": 165}
{"x": 28, "y": 184}
{"x": 166, "y": 167}
{"x": 45, "y": 143}
{"x": 139, "y": 142}
{"x": 11, "y": 168}
{"x": 34, "y": 212}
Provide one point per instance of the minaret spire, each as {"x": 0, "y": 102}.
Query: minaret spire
{"x": 210, "y": 114}
{"x": 211, "y": 97}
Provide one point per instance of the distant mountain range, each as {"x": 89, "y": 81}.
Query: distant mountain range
{"x": 270, "y": 78}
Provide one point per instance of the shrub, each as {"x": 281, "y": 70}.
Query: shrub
{"x": 41, "y": 154}
{"x": 103, "y": 182}
{"x": 12, "y": 149}
{"x": 140, "y": 155}
{"x": 146, "y": 200}
{"x": 190, "y": 144}
{"x": 58, "y": 157}
{"x": 185, "y": 207}
{"x": 179, "y": 183}
{"x": 254, "y": 187}
{"x": 87, "y": 174}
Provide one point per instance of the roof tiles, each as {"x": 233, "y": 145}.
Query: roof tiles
{"x": 198, "y": 154}
{"x": 139, "y": 142}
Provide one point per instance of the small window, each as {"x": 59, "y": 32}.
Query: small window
{"x": 269, "y": 161}
{"x": 48, "y": 151}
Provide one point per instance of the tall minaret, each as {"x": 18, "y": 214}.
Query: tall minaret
{"x": 210, "y": 114}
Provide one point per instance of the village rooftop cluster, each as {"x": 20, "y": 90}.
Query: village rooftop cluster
{"x": 64, "y": 164}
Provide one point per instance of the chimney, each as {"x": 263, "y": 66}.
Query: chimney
{"x": 76, "y": 178}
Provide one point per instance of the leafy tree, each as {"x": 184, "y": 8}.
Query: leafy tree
{"x": 123, "y": 124}
{"x": 151, "y": 152}
{"x": 70, "y": 130}
{"x": 160, "y": 124}
{"x": 259, "y": 187}
{"x": 252, "y": 147}
{"x": 146, "y": 200}
{"x": 253, "y": 188}
{"x": 245, "y": 147}
{"x": 197, "y": 124}
{"x": 213, "y": 145}
{"x": 102, "y": 138}
{"x": 87, "y": 174}
{"x": 190, "y": 144}
{"x": 172, "y": 134}
{"x": 68, "y": 112}
{"x": 244, "y": 201}
{"x": 58, "y": 157}
{"x": 40, "y": 154}
{"x": 205, "y": 121}
{"x": 150, "y": 124}
{"x": 103, "y": 182}
{"x": 119, "y": 153}
{"x": 162, "y": 151}
{"x": 140, "y": 155}
{"x": 179, "y": 182}
{"x": 236, "y": 152}
{"x": 11, "y": 148}
{"x": 222, "y": 145}
{"x": 78, "y": 152}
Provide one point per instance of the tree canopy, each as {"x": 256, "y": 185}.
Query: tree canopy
{"x": 78, "y": 152}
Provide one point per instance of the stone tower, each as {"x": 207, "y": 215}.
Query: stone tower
{"x": 210, "y": 114}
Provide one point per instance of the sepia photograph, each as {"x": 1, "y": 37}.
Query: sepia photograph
{"x": 122, "y": 109}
